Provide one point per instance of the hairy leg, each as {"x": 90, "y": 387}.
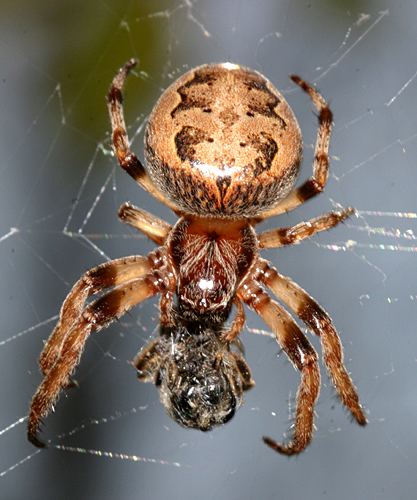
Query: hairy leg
{"x": 106, "y": 275}
{"x": 275, "y": 238}
{"x": 153, "y": 227}
{"x": 317, "y": 182}
{"x": 94, "y": 317}
{"x": 321, "y": 324}
{"x": 238, "y": 323}
{"x": 127, "y": 159}
{"x": 301, "y": 354}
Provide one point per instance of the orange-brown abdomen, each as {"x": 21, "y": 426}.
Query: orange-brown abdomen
{"x": 223, "y": 142}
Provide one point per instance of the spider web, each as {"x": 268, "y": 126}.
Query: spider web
{"x": 60, "y": 192}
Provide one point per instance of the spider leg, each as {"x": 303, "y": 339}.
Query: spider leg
{"x": 302, "y": 355}
{"x": 154, "y": 228}
{"x": 94, "y": 317}
{"x": 317, "y": 182}
{"x": 147, "y": 361}
{"x": 321, "y": 324}
{"x": 279, "y": 237}
{"x": 230, "y": 335}
{"x": 106, "y": 275}
{"x": 127, "y": 159}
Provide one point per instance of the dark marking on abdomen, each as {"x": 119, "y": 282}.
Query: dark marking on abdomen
{"x": 190, "y": 99}
{"x": 264, "y": 101}
{"x": 186, "y": 139}
{"x": 223, "y": 184}
{"x": 267, "y": 148}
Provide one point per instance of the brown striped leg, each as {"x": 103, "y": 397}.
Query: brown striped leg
{"x": 321, "y": 324}
{"x": 244, "y": 370}
{"x": 317, "y": 183}
{"x": 127, "y": 159}
{"x": 238, "y": 323}
{"x": 167, "y": 318}
{"x": 301, "y": 354}
{"x": 295, "y": 234}
{"x": 153, "y": 227}
{"x": 94, "y": 317}
{"x": 106, "y": 275}
{"x": 148, "y": 359}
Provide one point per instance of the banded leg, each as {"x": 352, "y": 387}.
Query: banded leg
{"x": 109, "y": 274}
{"x": 276, "y": 238}
{"x": 127, "y": 159}
{"x": 148, "y": 359}
{"x": 321, "y": 324}
{"x": 153, "y": 227}
{"x": 317, "y": 182}
{"x": 238, "y": 323}
{"x": 302, "y": 355}
{"x": 95, "y": 316}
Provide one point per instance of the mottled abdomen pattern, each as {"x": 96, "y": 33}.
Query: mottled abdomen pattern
{"x": 222, "y": 141}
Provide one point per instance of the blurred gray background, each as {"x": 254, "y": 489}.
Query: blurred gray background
{"x": 59, "y": 193}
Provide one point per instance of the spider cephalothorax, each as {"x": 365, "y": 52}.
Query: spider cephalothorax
{"x": 210, "y": 259}
{"x": 223, "y": 150}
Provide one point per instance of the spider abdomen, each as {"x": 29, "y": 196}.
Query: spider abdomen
{"x": 228, "y": 134}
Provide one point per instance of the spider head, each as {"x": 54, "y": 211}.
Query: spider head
{"x": 201, "y": 381}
